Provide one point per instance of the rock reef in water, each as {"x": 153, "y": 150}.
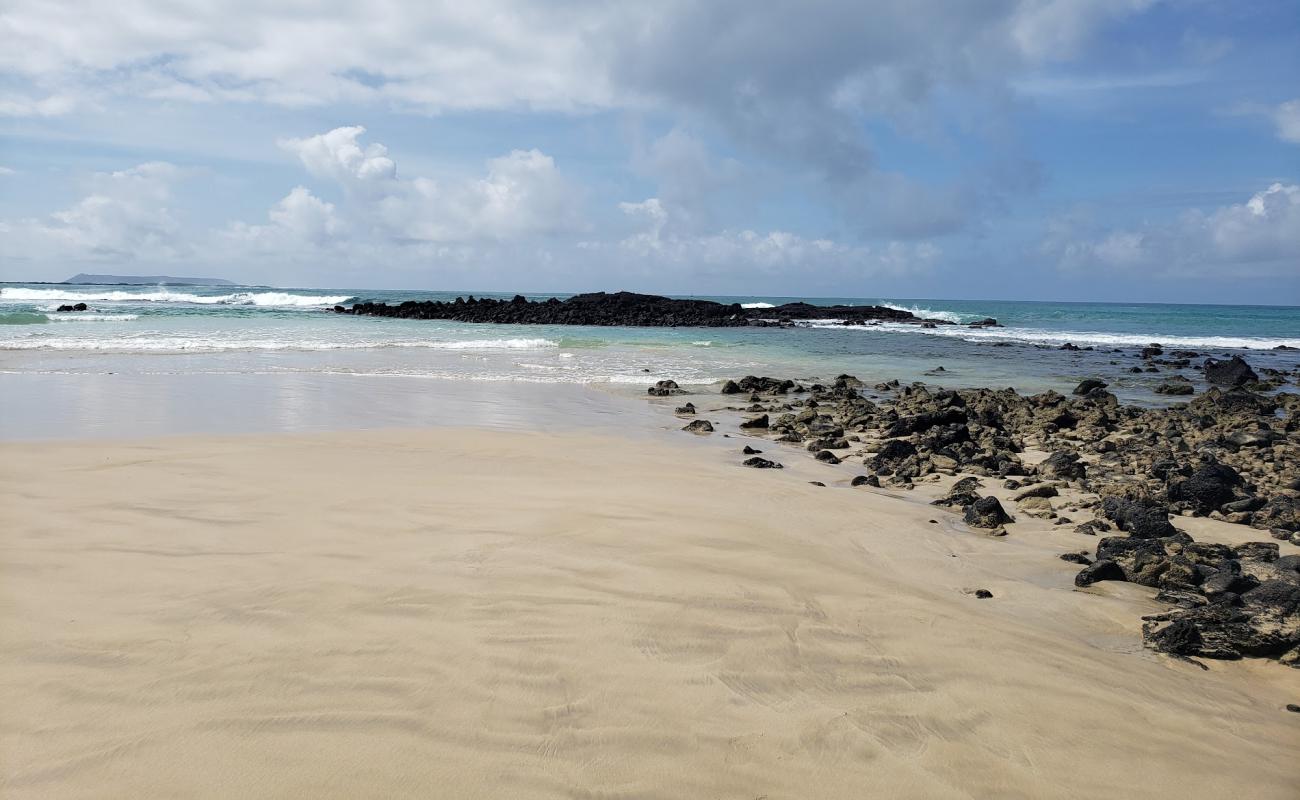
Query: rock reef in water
{"x": 625, "y": 308}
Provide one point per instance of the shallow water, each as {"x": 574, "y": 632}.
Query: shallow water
{"x": 171, "y": 339}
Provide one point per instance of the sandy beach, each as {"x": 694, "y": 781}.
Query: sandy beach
{"x": 468, "y": 613}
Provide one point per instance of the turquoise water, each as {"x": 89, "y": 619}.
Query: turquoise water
{"x": 251, "y": 330}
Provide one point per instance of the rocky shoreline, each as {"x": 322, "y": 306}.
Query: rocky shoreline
{"x": 1125, "y": 474}
{"x": 632, "y": 309}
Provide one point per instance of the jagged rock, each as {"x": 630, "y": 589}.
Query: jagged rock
{"x": 699, "y": 426}
{"x": 761, "y": 463}
{"x": 986, "y": 512}
{"x": 1140, "y": 520}
{"x": 1088, "y": 385}
{"x": 749, "y": 451}
{"x": 1064, "y": 466}
{"x": 730, "y": 387}
{"x": 689, "y": 408}
{"x": 1207, "y": 488}
{"x": 755, "y": 423}
{"x": 1280, "y": 512}
{"x": 1232, "y": 372}
{"x": 664, "y": 389}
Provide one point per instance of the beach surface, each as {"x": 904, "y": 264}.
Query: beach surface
{"x": 487, "y": 613}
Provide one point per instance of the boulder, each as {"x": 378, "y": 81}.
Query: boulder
{"x": 1208, "y": 488}
{"x": 664, "y": 389}
{"x": 1140, "y": 520}
{"x": 1099, "y": 571}
{"x": 1232, "y": 372}
{"x": 1089, "y": 384}
{"x": 1063, "y": 466}
{"x": 986, "y": 512}
{"x": 758, "y": 462}
{"x": 699, "y": 426}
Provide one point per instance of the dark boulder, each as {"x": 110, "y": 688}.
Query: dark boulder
{"x": 699, "y": 426}
{"x": 1139, "y": 520}
{"x": 865, "y": 480}
{"x": 664, "y": 389}
{"x": 1089, "y": 384}
{"x": 755, "y": 423}
{"x": 1097, "y": 571}
{"x": 1232, "y": 372}
{"x": 827, "y": 457}
{"x": 1208, "y": 488}
{"x": 1064, "y": 466}
{"x": 761, "y": 463}
{"x": 689, "y": 408}
{"x": 892, "y": 452}
{"x": 986, "y": 512}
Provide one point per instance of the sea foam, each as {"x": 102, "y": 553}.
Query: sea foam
{"x": 1094, "y": 338}
{"x": 277, "y": 299}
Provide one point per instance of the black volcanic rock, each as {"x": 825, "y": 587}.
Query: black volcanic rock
{"x": 620, "y": 308}
{"x": 1232, "y": 372}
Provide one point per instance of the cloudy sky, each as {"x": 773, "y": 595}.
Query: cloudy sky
{"x": 1024, "y": 149}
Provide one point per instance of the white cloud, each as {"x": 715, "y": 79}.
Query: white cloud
{"x": 522, "y": 194}
{"x": 1259, "y": 237}
{"x": 338, "y": 155}
{"x": 1287, "y": 118}
{"x": 300, "y": 220}
{"x": 125, "y": 217}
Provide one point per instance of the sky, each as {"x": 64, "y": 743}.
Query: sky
{"x": 1107, "y": 150}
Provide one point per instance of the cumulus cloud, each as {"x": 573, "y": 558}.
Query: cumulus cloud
{"x": 299, "y": 220}
{"x": 523, "y": 193}
{"x": 124, "y": 217}
{"x": 1259, "y": 237}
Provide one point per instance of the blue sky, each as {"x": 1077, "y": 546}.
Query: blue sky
{"x": 1039, "y": 149}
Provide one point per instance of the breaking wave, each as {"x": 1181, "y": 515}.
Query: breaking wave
{"x": 757, "y": 305}
{"x": 929, "y": 313}
{"x": 271, "y": 299}
{"x": 1093, "y": 338}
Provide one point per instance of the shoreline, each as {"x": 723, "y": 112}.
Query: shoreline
{"x": 478, "y": 612}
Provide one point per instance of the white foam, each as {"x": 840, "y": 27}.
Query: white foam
{"x": 703, "y": 343}
{"x": 929, "y": 313}
{"x": 83, "y": 317}
{"x": 270, "y": 299}
{"x": 488, "y": 344}
{"x": 757, "y": 305}
{"x": 1095, "y": 338}
{"x": 156, "y": 343}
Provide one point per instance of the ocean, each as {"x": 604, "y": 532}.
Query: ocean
{"x": 259, "y": 331}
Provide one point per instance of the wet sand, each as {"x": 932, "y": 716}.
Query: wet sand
{"x": 470, "y": 613}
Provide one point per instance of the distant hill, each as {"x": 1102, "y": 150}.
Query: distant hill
{"x": 148, "y": 280}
